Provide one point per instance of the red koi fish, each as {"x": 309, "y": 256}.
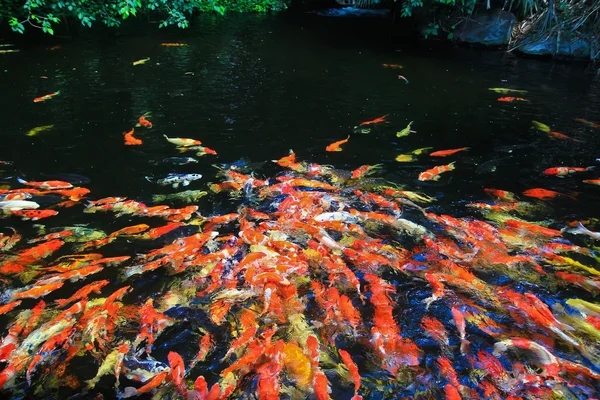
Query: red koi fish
{"x": 433, "y": 174}
{"x": 545, "y": 194}
{"x": 445, "y": 153}
{"x": 500, "y": 194}
{"x": 130, "y": 140}
{"x": 509, "y": 99}
{"x": 562, "y": 136}
{"x": 592, "y": 181}
{"x": 46, "y": 97}
{"x": 335, "y": 146}
{"x": 34, "y": 215}
{"x": 374, "y": 121}
{"x": 561, "y": 172}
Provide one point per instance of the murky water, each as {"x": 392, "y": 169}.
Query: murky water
{"x": 254, "y": 87}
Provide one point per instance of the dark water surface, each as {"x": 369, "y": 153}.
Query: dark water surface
{"x": 254, "y": 87}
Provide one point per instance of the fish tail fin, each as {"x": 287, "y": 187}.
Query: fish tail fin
{"x": 158, "y": 198}
{"x": 580, "y": 230}
{"x": 452, "y": 166}
{"x": 214, "y": 187}
{"x": 591, "y": 168}
{"x": 62, "y": 303}
{"x": 166, "y": 137}
{"x": 22, "y": 181}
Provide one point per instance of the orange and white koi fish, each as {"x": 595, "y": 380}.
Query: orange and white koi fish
{"x": 47, "y": 185}
{"x": 592, "y": 181}
{"x": 46, "y": 97}
{"x": 561, "y": 172}
{"x": 130, "y": 140}
{"x": 183, "y": 142}
{"x": 335, "y": 146}
{"x": 374, "y": 121}
{"x": 433, "y": 174}
{"x": 509, "y": 99}
{"x": 445, "y": 153}
{"x": 365, "y": 170}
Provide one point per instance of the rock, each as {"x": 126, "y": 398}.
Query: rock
{"x": 490, "y": 28}
{"x": 577, "y": 48}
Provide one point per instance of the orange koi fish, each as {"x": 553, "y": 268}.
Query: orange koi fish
{"x": 445, "y": 153}
{"x": 545, "y": 194}
{"x": 349, "y": 363}
{"x": 436, "y": 330}
{"x": 37, "y": 291}
{"x": 83, "y": 293}
{"x": 33, "y": 215}
{"x": 130, "y": 230}
{"x": 509, "y": 99}
{"x": 433, "y": 174}
{"x": 177, "y": 371}
{"x": 374, "y": 121}
{"x": 592, "y": 181}
{"x": 144, "y": 122}
{"x": 561, "y": 172}
{"x": 562, "y": 136}
{"x": 130, "y": 140}
{"x": 46, "y": 97}
{"x": 335, "y": 146}
{"x": 9, "y": 307}
{"x": 46, "y": 185}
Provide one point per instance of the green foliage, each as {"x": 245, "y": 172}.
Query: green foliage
{"x": 44, "y": 14}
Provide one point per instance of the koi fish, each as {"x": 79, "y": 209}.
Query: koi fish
{"x": 18, "y": 205}
{"x": 179, "y": 179}
{"x": 34, "y": 215}
{"x": 545, "y": 194}
{"x": 500, "y": 194}
{"x": 374, "y": 121}
{"x": 144, "y": 122}
{"x": 130, "y": 140}
{"x": 46, "y": 97}
{"x": 39, "y": 129}
{"x": 445, "y": 153}
{"x": 46, "y": 185}
{"x": 588, "y": 123}
{"x": 9, "y": 51}
{"x": 173, "y": 44}
{"x": 406, "y": 131}
{"x": 142, "y": 61}
{"x": 507, "y": 90}
{"x": 336, "y": 145}
{"x": 433, "y": 174}
{"x": 561, "y": 172}
{"x": 592, "y": 181}
{"x": 582, "y": 230}
{"x": 403, "y": 78}
{"x": 509, "y": 99}
{"x": 365, "y": 170}
{"x": 562, "y": 136}
{"x": 393, "y": 66}
{"x": 183, "y": 142}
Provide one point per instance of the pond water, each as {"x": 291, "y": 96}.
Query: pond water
{"x": 254, "y": 87}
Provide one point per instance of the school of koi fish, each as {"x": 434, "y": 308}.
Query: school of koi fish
{"x": 321, "y": 283}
